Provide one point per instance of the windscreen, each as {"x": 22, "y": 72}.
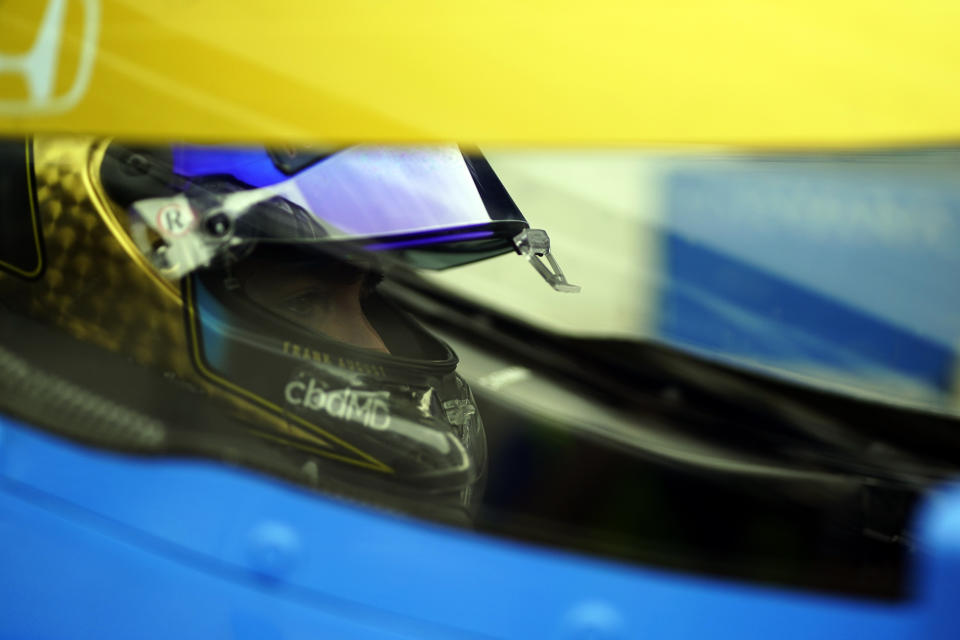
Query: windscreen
{"x": 833, "y": 270}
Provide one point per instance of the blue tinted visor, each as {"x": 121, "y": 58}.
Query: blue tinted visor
{"x": 359, "y": 191}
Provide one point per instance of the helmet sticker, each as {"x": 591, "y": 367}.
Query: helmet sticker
{"x": 175, "y": 219}
{"x": 368, "y": 408}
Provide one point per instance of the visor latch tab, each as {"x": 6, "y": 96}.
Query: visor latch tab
{"x": 534, "y": 244}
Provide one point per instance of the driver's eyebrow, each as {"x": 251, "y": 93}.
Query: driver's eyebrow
{"x": 277, "y": 287}
{"x": 274, "y": 275}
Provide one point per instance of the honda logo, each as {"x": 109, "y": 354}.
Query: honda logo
{"x": 39, "y": 65}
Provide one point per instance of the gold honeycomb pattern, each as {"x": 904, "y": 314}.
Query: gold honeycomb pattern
{"x": 91, "y": 287}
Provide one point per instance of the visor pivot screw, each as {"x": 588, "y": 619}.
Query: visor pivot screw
{"x": 218, "y": 225}
{"x": 136, "y": 163}
{"x": 160, "y": 258}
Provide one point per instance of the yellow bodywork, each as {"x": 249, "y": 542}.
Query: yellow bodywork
{"x": 750, "y": 73}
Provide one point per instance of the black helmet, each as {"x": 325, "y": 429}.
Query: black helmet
{"x": 251, "y": 274}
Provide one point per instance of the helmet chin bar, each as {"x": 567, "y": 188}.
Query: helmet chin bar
{"x": 534, "y": 244}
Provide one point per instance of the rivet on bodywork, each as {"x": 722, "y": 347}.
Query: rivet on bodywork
{"x": 592, "y": 620}
{"x": 273, "y": 549}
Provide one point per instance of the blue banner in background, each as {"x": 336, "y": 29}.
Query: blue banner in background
{"x": 842, "y": 270}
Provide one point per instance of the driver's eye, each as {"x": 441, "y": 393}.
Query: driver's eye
{"x": 306, "y": 304}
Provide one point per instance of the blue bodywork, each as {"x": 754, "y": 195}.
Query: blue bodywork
{"x": 97, "y": 544}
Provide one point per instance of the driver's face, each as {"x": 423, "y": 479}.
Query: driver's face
{"x": 303, "y": 296}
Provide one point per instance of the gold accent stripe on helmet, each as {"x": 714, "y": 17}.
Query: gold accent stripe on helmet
{"x": 367, "y": 461}
{"x": 108, "y": 214}
{"x": 31, "y": 196}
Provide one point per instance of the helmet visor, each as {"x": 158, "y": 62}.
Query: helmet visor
{"x": 433, "y": 206}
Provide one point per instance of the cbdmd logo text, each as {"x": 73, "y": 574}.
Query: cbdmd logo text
{"x": 369, "y": 408}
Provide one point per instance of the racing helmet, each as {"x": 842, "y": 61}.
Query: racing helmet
{"x": 250, "y": 275}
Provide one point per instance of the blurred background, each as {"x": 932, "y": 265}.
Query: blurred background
{"x": 833, "y": 269}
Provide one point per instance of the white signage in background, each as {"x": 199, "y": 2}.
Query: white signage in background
{"x": 41, "y": 64}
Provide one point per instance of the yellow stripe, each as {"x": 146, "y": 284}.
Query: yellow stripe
{"x": 756, "y": 73}
{"x": 322, "y": 452}
{"x": 91, "y": 179}
{"x": 28, "y": 152}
